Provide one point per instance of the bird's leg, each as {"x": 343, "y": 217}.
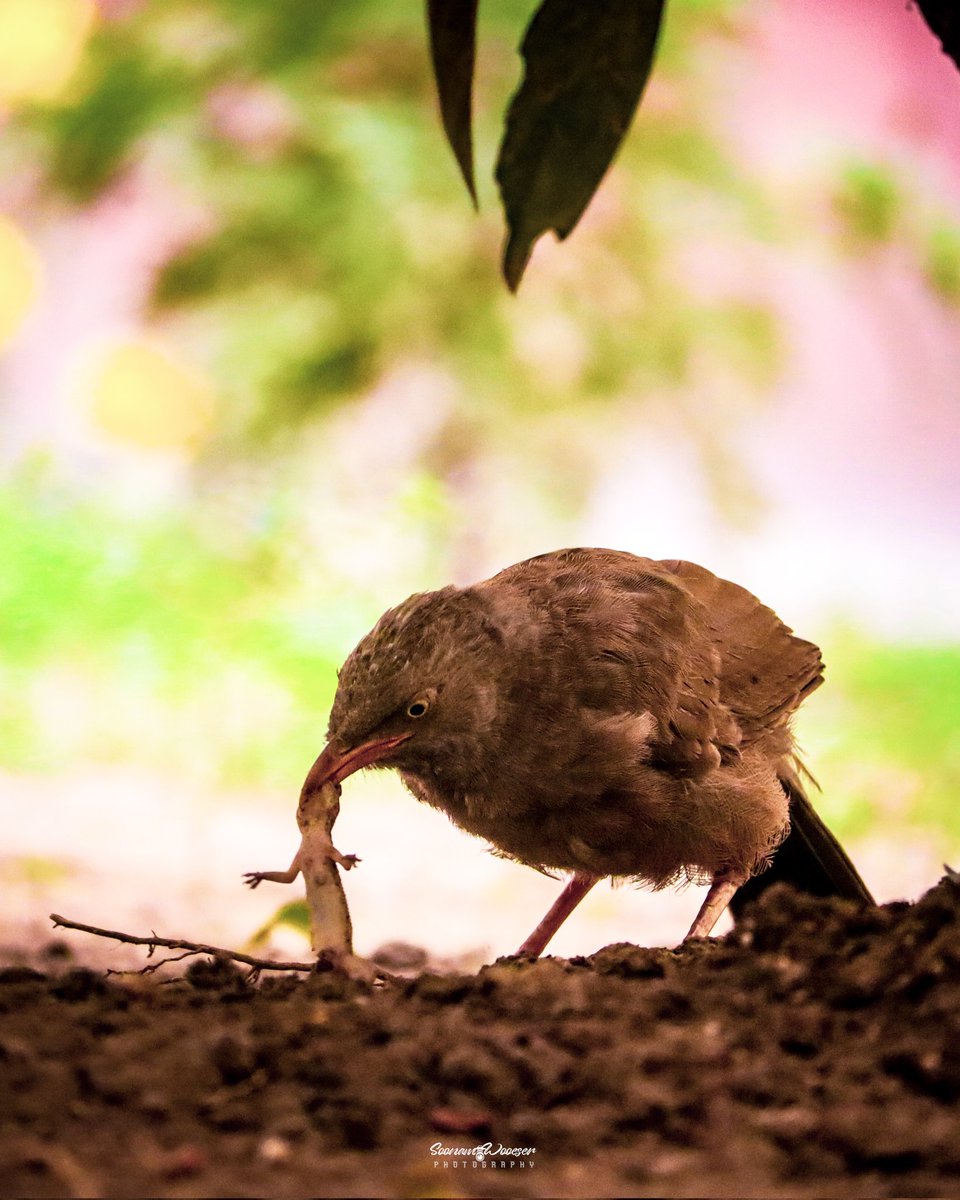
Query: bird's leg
{"x": 722, "y": 891}
{"x": 562, "y": 907}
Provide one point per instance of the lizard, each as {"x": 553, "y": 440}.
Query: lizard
{"x": 318, "y": 860}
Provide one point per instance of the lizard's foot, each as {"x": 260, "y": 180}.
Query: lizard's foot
{"x": 347, "y": 861}
{"x": 347, "y": 963}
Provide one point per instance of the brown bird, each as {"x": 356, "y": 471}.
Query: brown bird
{"x": 598, "y": 713}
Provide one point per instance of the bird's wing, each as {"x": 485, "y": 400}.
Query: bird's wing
{"x": 678, "y": 671}
{"x": 717, "y": 668}
{"x": 765, "y": 670}
{"x": 627, "y": 638}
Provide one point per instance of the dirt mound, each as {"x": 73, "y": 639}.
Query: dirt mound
{"x": 814, "y": 1051}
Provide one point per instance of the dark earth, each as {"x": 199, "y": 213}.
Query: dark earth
{"x": 813, "y": 1052}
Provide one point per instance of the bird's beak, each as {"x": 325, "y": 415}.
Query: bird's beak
{"x": 335, "y": 764}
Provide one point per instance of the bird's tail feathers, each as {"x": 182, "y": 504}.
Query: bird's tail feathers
{"x": 810, "y": 857}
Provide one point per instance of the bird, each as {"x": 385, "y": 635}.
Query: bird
{"x": 592, "y": 713}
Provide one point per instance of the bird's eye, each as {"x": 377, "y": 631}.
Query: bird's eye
{"x": 417, "y": 709}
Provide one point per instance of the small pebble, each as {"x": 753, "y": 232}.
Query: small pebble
{"x": 274, "y": 1149}
{"x": 400, "y": 956}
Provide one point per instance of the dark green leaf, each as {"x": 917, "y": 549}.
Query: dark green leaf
{"x": 586, "y": 67}
{"x": 944, "y": 21}
{"x": 453, "y": 39}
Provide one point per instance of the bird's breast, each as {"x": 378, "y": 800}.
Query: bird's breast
{"x": 586, "y": 832}
{"x": 466, "y": 806}
{"x": 651, "y": 825}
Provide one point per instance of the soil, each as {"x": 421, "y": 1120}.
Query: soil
{"x": 813, "y": 1051}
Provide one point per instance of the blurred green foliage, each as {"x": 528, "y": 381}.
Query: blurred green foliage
{"x": 943, "y": 261}
{"x": 336, "y": 238}
{"x": 333, "y": 246}
{"x": 898, "y": 708}
{"x": 33, "y": 870}
{"x": 144, "y": 641}
{"x": 876, "y": 206}
{"x": 869, "y": 201}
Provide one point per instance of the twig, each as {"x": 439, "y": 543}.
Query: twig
{"x": 256, "y": 964}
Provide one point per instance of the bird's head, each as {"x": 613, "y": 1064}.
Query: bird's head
{"x": 417, "y": 690}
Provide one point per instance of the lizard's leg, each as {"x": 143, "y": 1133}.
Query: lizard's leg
{"x": 347, "y": 861}
{"x": 253, "y": 878}
{"x": 325, "y": 846}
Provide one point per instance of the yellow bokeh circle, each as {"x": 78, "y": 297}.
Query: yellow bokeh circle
{"x": 143, "y": 395}
{"x": 41, "y": 42}
{"x": 19, "y": 278}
